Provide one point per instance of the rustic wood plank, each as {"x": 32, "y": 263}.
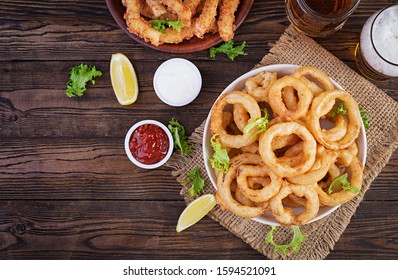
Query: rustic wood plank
{"x": 55, "y": 168}
{"x": 131, "y": 230}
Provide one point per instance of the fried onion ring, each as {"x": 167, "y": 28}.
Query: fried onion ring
{"x": 268, "y": 155}
{"x": 259, "y": 85}
{"x": 285, "y": 216}
{"x": 324, "y": 159}
{"x": 319, "y": 76}
{"x": 275, "y": 98}
{"x": 337, "y": 198}
{"x": 322, "y": 104}
{"x": 250, "y": 105}
{"x": 268, "y": 190}
{"x": 224, "y": 196}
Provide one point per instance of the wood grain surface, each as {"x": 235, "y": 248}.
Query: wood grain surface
{"x": 67, "y": 189}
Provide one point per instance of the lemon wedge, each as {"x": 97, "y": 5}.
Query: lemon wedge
{"x": 195, "y": 211}
{"x": 124, "y": 80}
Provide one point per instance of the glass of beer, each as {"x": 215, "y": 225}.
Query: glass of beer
{"x": 318, "y": 18}
{"x": 376, "y": 54}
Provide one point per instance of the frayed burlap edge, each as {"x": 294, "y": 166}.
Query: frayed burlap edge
{"x": 382, "y": 139}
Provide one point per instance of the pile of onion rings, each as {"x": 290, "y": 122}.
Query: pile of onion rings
{"x": 306, "y": 157}
{"x": 198, "y": 17}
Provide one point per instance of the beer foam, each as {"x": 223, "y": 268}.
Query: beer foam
{"x": 379, "y": 41}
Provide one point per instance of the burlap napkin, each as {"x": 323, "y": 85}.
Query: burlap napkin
{"x": 296, "y": 48}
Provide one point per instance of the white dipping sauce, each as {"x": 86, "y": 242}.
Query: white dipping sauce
{"x": 177, "y": 82}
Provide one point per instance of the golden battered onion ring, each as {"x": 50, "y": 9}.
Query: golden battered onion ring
{"x": 338, "y": 131}
{"x": 285, "y": 216}
{"x": 241, "y": 117}
{"x": 259, "y": 85}
{"x": 324, "y": 159}
{"x": 319, "y": 76}
{"x": 333, "y": 172}
{"x": 275, "y": 98}
{"x": 337, "y": 198}
{"x": 224, "y": 195}
{"x": 251, "y": 106}
{"x": 247, "y": 202}
{"x": 293, "y": 156}
{"x": 346, "y": 156}
{"x": 289, "y": 98}
{"x": 322, "y": 104}
{"x": 252, "y": 148}
{"x": 283, "y": 129}
{"x": 268, "y": 190}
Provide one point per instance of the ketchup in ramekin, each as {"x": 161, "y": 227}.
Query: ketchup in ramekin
{"x": 149, "y": 144}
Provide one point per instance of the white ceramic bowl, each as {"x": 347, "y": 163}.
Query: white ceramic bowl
{"x": 238, "y": 84}
{"x": 127, "y": 144}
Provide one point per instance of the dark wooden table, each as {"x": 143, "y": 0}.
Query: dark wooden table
{"x": 67, "y": 189}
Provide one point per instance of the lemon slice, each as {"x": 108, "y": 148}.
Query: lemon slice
{"x": 195, "y": 211}
{"x": 124, "y": 80}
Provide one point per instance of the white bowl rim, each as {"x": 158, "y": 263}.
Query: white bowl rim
{"x": 198, "y": 81}
{"x": 127, "y": 144}
{"x": 275, "y": 68}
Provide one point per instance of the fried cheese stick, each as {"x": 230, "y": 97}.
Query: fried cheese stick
{"x": 192, "y": 5}
{"x": 176, "y": 6}
{"x": 157, "y": 8}
{"x": 206, "y": 18}
{"x": 172, "y": 36}
{"x": 226, "y": 19}
{"x": 137, "y": 25}
{"x": 147, "y": 12}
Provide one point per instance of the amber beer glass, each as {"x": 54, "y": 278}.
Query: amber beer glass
{"x": 377, "y": 52}
{"x": 318, "y": 18}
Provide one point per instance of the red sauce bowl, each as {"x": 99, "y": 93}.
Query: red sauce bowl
{"x": 148, "y": 144}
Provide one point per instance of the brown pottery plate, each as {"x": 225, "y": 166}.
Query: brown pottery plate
{"x": 195, "y": 44}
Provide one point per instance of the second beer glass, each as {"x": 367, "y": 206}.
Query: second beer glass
{"x": 318, "y": 18}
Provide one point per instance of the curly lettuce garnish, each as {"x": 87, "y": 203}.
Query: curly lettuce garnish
{"x": 260, "y": 123}
{"x": 180, "y": 139}
{"x": 343, "y": 182}
{"x": 220, "y": 158}
{"x": 197, "y": 182}
{"x": 162, "y": 24}
{"x": 294, "y": 244}
{"x": 340, "y": 110}
{"x": 365, "y": 118}
{"x": 228, "y": 49}
{"x": 80, "y": 76}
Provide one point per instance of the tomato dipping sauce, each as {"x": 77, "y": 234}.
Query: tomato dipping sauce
{"x": 149, "y": 144}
